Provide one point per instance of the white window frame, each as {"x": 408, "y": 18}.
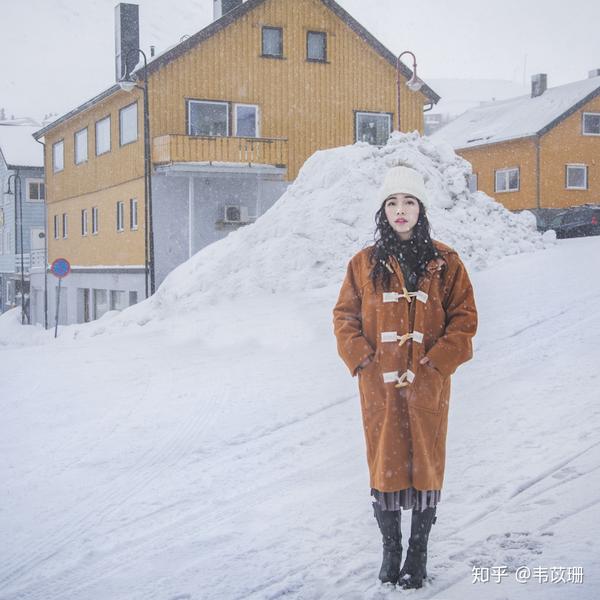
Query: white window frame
{"x": 588, "y": 114}
{"x": 576, "y": 166}
{"x": 84, "y": 221}
{"x": 95, "y": 217}
{"x": 120, "y": 215}
{"x": 79, "y": 160}
{"x": 55, "y": 148}
{"x": 121, "y": 112}
{"x": 256, "y": 119}
{"x": 56, "y": 228}
{"x": 38, "y": 182}
{"x": 189, "y": 116}
{"x": 506, "y": 174}
{"x": 133, "y": 214}
{"x": 359, "y": 113}
{"x": 65, "y": 226}
{"x": 98, "y": 122}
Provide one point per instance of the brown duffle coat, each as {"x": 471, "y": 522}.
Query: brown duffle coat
{"x": 405, "y": 404}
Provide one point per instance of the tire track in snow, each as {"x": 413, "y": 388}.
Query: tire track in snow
{"x": 129, "y": 484}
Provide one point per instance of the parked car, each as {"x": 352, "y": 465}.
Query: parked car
{"x": 577, "y": 221}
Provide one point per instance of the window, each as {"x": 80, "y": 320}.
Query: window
{"x": 576, "y": 177}
{"x": 56, "y": 232}
{"x": 472, "y": 182}
{"x": 272, "y": 42}
{"x": 374, "y": 128}
{"x": 120, "y": 215}
{"x": 128, "y": 124}
{"x": 36, "y": 191}
{"x": 246, "y": 120}
{"x": 84, "y": 222}
{"x": 94, "y": 220}
{"x": 132, "y": 298}
{"x": 208, "y": 118}
{"x": 316, "y": 46}
{"x": 103, "y": 136}
{"x": 100, "y": 302}
{"x": 118, "y": 300}
{"x": 81, "y": 146}
{"x": 133, "y": 216}
{"x": 58, "y": 156}
{"x": 591, "y": 123}
{"x": 507, "y": 180}
{"x": 65, "y": 224}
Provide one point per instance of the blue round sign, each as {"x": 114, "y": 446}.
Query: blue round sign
{"x": 60, "y": 267}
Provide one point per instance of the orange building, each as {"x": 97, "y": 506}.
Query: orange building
{"x": 234, "y": 111}
{"x": 536, "y": 152}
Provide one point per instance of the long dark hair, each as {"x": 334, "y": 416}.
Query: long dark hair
{"x": 388, "y": 244}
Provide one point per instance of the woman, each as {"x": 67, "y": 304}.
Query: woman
{"x": 404, "y": 322}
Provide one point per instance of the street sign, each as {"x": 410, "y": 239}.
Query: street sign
{"x": 60, "y": 268}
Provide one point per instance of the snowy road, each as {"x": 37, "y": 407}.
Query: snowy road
{"x": 221, "y": 456}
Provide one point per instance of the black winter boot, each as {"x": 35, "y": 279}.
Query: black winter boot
{"x": 414, "y": 570}
{"x": 389, "y": 525}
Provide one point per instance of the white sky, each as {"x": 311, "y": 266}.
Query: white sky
{"x": 55, "y": 54}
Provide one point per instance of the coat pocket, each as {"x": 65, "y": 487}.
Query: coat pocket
{"x": 426, "y": 391}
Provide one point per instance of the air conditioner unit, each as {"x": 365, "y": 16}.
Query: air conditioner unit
{"x": 236, "y": 214}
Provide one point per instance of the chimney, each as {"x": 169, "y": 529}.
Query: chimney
{"x": 539, "y": 84}
{"x": 222, "y": 7}
{"x": 593, "y": 73}
{"x": 127, "y": 39}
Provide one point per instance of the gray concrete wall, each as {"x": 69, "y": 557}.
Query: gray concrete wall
{"x": 209, "y": 194}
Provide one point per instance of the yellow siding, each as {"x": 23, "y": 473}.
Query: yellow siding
{"x": 564, "y": 145}
{"x": 310, "y": 104}
{"x": 487, "y": 159}
{"x": 109, "y": 246}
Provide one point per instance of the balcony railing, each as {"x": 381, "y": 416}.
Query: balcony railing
{"x": 250, "y": 151}
{"x": 11, "y": 263}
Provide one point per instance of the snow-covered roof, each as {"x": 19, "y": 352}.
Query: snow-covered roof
{"x": 18, "y": 146}
{"x": 516, "y": 118}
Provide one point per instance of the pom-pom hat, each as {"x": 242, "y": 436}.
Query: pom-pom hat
{"x": 402, "y": 180}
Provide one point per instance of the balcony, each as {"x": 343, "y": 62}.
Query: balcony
{"x": 169, "y": 149}
{"x": 11, "y": 263}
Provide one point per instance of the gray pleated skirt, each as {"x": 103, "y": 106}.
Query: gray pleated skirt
{"x": 406, "y": 499}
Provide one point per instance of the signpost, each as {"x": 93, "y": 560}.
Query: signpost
{"x": 60, "y": 268}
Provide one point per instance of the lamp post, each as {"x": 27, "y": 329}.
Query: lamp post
{"x": 128, "y": 84}
{"x": 19, "y": 197}
{"x": 414, "y": 83}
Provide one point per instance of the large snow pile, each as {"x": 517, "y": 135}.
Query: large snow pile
{"x": 306, "y": 239}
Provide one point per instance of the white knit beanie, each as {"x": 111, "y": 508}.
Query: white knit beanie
{"x": 402, "y": 180}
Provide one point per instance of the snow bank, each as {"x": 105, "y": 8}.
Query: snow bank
{"x": 305, "y": 240}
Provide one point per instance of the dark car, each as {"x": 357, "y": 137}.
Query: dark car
{"x": 578, "y": 221}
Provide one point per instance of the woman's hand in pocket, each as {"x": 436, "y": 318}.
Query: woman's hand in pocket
{"x": 365, "y": 363}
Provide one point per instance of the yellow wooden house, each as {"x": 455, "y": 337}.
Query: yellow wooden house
{"x": 539, "y": 152}
{"x": 234, "y": 111}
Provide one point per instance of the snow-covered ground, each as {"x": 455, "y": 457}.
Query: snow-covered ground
{"x": 220, "y": 455}
{"x": 207, "y": 444}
